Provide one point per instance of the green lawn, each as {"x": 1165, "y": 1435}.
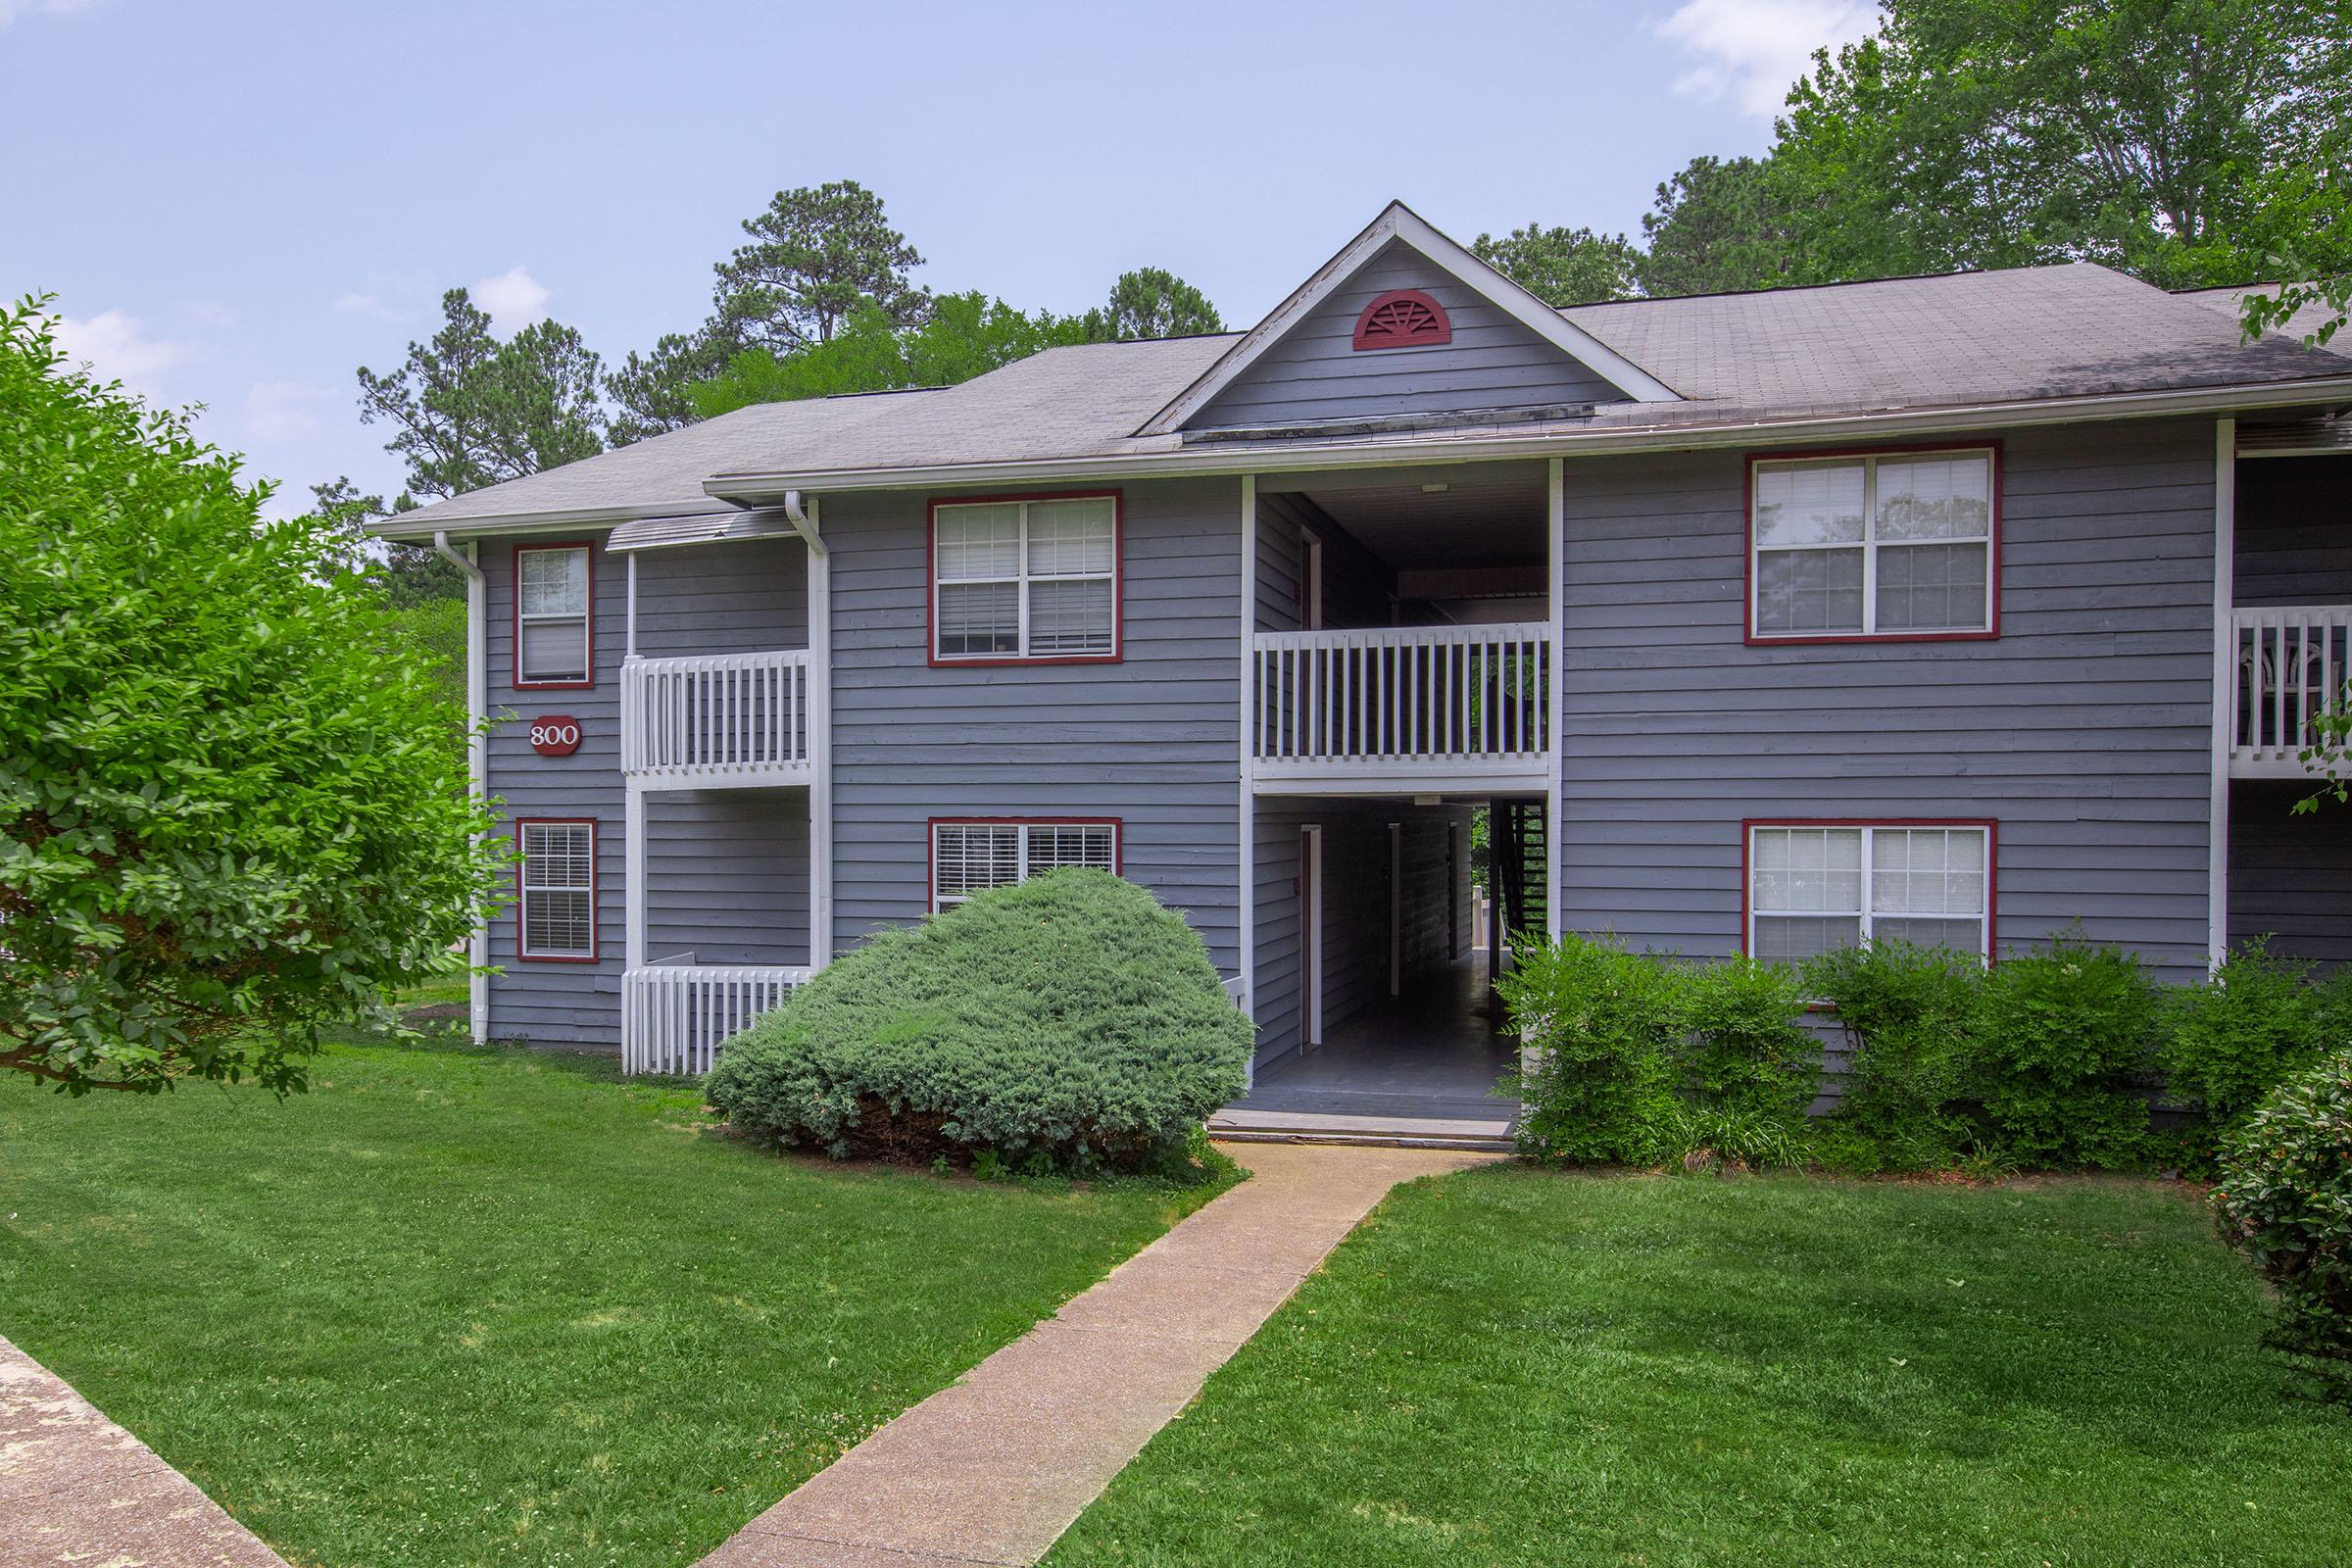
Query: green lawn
{"x": 457, "y": 1307}
{"x": 1516, "y": 1367}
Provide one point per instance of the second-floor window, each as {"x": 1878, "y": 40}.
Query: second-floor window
{"x": 1025, "y": 580}
{"x": 1889, "y": 544}
{"x": 553, "y": 620}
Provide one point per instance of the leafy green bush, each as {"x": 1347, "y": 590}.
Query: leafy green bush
{"x": 230, "y": 811}
{"x": 1742, "y": 1051}
{"x": 1713, "y": 1137}
{"x": 2063, "y": 1041}
{"x": 2257, "y": 1021}
{"x": 1601, "y": 1026}
{"x": 1907, "y": 1012}
{"x": 2285, "y": 1199}
{"x": 1638, "y": 1058}
{"x": 1069, "y": 1014}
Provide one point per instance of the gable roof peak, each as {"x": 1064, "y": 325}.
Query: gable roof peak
{"x": 1400, "y": 224}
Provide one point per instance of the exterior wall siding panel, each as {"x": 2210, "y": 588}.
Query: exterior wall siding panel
{"x": 1315, "y": 371}
{"x": 2082, "y": 729}
{"x": 1150, "y": 740}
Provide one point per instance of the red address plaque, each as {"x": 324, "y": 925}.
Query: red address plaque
{"x": 555, "y": 735}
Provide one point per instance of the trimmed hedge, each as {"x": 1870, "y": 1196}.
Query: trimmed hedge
{"x": 1069, "y": 1017}
{"x": 1640, "y": 1059}
{"x": 2049, "y": 1059}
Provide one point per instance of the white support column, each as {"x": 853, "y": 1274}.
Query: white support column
{"x": 1556, "y": 582}
{"x": 478, "y": 770}
{"x": 631, "y": 651}
{"x": 1246, "y": 892}
{"x": 2224, "y": 681}
{"x": 820, "y": 744}
{"x": 633, "y": 876}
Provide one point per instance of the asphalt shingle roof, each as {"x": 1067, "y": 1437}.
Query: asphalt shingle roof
{"x": 1902, "y": 344}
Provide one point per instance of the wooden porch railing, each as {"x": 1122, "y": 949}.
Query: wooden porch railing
{"x": 2292, "y": 665}
{"x": 1441, "y": 701}
{"x": 674, "y": 1016}
{"x": 718, "y": 719}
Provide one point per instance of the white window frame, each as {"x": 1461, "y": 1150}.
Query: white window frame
{"x": 1024, "y": 578}
{"x": 1870, "y": 545}
{"x": 524, "y": 888}
{"x": 1988, "y": 832}
{"x": 585, "y": 617}
{"x": 1022, "y": 828}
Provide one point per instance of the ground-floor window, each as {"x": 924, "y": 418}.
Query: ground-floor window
{"x": 971, "y": 855}
{"x": 555, "y": 906}
{"x": 1817, "y": 887}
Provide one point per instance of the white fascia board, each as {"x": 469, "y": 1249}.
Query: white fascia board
{"x": 755, "y": 489}
{"x": 1401, "y": 222}
{"x": 404, "y": 527}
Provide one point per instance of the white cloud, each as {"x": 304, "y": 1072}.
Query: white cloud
{"x": 357, "y": 304}
{"x": 114, "y": 346}
{"x": 1754, "y": 50}
{"x": 283, "y": 411}
{"x": 11, "y": 10}
{"x": 513, "y": 298}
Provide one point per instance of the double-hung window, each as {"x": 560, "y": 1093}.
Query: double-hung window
{"x": 555, "y": 891}
{"x": 1819, "y": 886}
{"x": 1892, "y": 545}
{"x": 1025, "y": 580}
{"x": 553, "y": 621}
{"x": 971, "y": 856}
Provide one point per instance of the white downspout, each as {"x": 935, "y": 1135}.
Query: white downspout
{"x": 478, "y": 760}
{"x": 2225, "y": 686}
{"x": 804, "y": 517}
{"x": 1244, "y": 908}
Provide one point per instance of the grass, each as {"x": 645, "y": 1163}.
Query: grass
{"x": 462, "y": 1307}
{"x": 1515, "y": 1368}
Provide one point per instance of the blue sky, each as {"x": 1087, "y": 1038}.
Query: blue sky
{"x": 238, "y": 203}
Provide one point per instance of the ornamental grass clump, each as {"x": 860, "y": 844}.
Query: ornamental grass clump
{"x": 1069, "y": 1017}
{"x": 2285, "y": 1200}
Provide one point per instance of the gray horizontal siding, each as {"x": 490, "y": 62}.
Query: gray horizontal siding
{"x": 566, "y": 1004}
{"x": 2081, "y": 729}
{"x": 1150, "y": 740}
{"x": 2291, "y": 876}
{"x": 727, "y": 875}
{"x": 1314, "y": 372}
{"x": 2292, "y": 544}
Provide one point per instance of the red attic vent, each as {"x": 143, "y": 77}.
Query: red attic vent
{"x": 1403, "y": 319}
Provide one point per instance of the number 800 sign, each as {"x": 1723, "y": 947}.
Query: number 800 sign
{"x": 555, "y": 735}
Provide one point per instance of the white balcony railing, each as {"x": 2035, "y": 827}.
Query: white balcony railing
{"x": 2292, "y": 664}
{"x": 1427, "y": 707}
{"x": 674, "y": 1016}
{"x": 720, "y": 718}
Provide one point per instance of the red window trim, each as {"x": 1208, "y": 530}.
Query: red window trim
{"x": 1748, "y": 570}
{"x": 595, "y": 908}
{"x": 1425, "y": 338}
{"x": 1992, "y": 863}
{"x": 515, "y": 566}
{"x": 932, "y": 826}
{"x": 1118, "y": 582}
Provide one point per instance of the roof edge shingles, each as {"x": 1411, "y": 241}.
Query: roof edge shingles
{"x": 1910, "y": 346}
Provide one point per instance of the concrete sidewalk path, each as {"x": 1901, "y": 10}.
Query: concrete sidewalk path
{"x": 994, "y": 1469}
{"x": 74, "y": 1487}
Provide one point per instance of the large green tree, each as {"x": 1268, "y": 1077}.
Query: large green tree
{"x": 466, "y": 410}
{"x": 813, "y": 257}
{"x": 2143, "y": 134}
{"x": 1564, "y": 266}
{"x": 1151, "y": 301}
{"x": 1716, "y": 226}
{"x": 965, "y": 335}
{"x": 228, "y": 811}
{"x": 651, "y": 393}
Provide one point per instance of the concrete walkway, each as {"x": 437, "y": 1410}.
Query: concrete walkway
{"x": 994, "y": 1469}
{"x": 74, "y": 1487}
